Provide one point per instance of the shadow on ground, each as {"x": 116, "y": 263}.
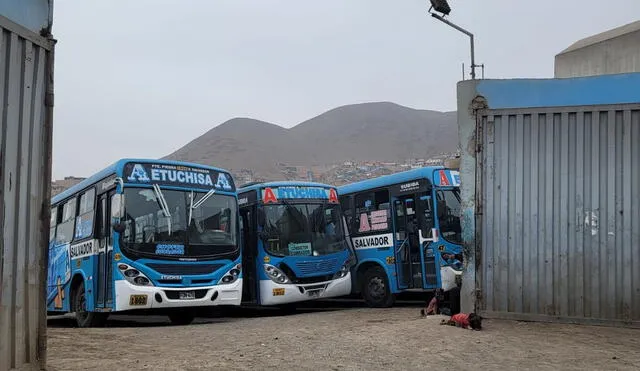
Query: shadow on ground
{"x": 226, "y": 314}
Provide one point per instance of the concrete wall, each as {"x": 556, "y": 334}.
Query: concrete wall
{"x": 26, "y": 103}
{"x": 617, "y": 55}
{"x": 551, "y": 213}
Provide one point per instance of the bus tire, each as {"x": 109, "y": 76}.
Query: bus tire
{"x": 375, "y": 288}
{"x": 84, "y": 318}
{"x": 181, "y": 317}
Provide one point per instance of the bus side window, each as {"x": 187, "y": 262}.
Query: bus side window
{"x": 345, "y": 205}
{"x": 66, "y": 221}
{"x": 52, "y": 224}
{"x": 84, "y": 220}
{"x": 375, "y": 208}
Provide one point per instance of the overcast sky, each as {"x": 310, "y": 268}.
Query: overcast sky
{"x": 144, "y": 77}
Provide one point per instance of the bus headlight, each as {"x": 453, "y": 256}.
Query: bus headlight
{"x": 134, "y": 276}
{"x": 231, "y": 276}
{"x": 346, "y": 267}
{"x": 344, "y": 270}
{"x": 276, "y": 275}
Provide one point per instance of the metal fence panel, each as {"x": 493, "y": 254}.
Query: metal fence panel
{"x": 26, "y": 84}
{"x": 551, "y": 207}
{"x": 558, "y": 203}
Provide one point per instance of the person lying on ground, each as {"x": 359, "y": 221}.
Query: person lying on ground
{"x": 470, "y": 321}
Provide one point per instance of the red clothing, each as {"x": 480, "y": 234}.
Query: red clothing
{"x": 461, "y": 319}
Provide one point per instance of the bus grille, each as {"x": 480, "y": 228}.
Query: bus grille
{"x": 184, "y": 269}
{"x": 316, "y": 266}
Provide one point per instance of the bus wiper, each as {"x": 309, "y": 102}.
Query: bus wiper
{"x": 199, "y": 202}
{"x": 203, "y": 199}
{"x": 163, "y": 205}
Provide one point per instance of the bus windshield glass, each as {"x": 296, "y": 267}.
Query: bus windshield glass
{"x": 307, "y": 229}
{"x": 178, "y": 223}
{"x": 449, "y": 213}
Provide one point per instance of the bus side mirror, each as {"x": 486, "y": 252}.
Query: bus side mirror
{"x": 117, "y": 206}
{"x": 261, "y": 218}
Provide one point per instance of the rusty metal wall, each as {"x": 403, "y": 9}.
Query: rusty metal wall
{"x": 26, "y": 93}
{"x": 552, "y": 204}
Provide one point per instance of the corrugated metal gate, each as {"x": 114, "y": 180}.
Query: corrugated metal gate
{"x": 26, "y": 97}
{"x": 560, "y": 213}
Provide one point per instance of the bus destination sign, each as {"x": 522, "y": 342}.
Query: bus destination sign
{"x": 177, "y": 176}
{"x": 272, "y": 195}
{"x": 447, "y": 178}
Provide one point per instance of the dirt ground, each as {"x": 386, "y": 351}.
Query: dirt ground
{"x": 346, "y": 339}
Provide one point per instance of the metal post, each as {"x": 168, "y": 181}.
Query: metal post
{"x": 473, "y": 57}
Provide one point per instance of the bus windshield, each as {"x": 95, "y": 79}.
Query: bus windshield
{"x": 178, "y": 223}
{"x": 306, "y": 229}
{"x": 449, "y": 213}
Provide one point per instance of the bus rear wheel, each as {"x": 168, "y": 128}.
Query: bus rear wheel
{"x": 181, "y": 317}
{"x": 375, "y": 288}
{"x": 83, "y": 317}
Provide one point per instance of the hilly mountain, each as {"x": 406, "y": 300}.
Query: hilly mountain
{"x": 379, "y": 131}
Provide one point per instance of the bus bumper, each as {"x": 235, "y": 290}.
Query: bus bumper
{"x": 126, "y": 293}
{"x": 450, "y": 278}
{"x": 272, "y": 293}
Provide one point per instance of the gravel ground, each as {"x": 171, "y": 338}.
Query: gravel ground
{"x": 348, "y": 339}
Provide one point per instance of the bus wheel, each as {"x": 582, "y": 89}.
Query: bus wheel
{"x": 182, "y": 317}
{"x": 83, "y": 317}
{"x": 375, "y": 288}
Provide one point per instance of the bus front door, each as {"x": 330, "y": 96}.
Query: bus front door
{"x": 428, "y": 253}
{"x": 249, "y": 256}
{"x": 407, "y": 249}
{"x": 103, "y": 280}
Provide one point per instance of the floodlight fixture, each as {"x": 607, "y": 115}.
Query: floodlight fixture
{"x": 441, "y": 6}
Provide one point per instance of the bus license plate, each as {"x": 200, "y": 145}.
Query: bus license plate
{"x": 137, "y": 300}
{"x": 187, "y": 295}
{"x": 278, "y": 291}
{"x": 314, "y": 293}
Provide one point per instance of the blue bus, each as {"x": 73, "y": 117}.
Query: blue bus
{"x": 145, "y": 234}
{"x": 294, "y": 246}
{"x": 405, "y": 229}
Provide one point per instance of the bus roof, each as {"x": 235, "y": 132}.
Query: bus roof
{"x": 116, "y": 168}
{"x": 260, "y": 185}
{"x": 391, "y": 179}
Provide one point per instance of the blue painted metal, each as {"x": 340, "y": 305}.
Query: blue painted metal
{"x": 538, "y": 93}
{"x": 387, "y": 180}
{"x": 34, "y": 15}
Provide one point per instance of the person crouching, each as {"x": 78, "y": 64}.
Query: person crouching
{"x": 433, "y": 306}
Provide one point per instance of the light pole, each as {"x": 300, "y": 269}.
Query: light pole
{"x": 443, "y": 7}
